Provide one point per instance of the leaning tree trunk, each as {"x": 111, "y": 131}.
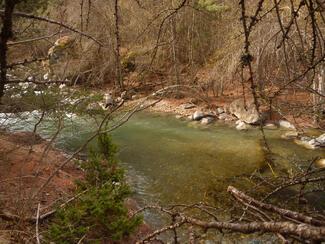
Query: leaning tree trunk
{"x": 5, "y": 35}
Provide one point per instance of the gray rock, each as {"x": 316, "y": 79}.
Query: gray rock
{"x": 243, "y": 126}
{"x": 286, "y": 124}
{"x": 249, "y": 114}
{"x": 207, "y": 120}
{"x": 198, "y": 115}
{"x": 108, "y": 99}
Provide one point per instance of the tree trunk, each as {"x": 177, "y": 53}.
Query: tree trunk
{"x": 174, "y": 51}
{"x": 119, "y": 81}
{"x": 6, "y": 34}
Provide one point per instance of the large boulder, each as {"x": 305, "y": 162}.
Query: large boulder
{"x": 246, "y": 114}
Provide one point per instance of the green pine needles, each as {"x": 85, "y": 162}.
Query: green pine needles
{"x": 99, "y": 213}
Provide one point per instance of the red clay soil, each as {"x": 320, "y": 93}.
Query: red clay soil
{"x": 22, "y": 172}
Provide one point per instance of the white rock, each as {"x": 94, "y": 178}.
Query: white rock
{"x": 37, "y": 92}
{"x": 270, "y": 126}
{"x": 207, "y": 120}
{"x": 238, "y": 122}
{"x": 220, "y": 110}
{"x": 30, "y": 78}
{"x": 243, "y": 126}
{"x": 286, "y": 124}
{"x": 62, "y": 86}
{"x": 46, "y": 76}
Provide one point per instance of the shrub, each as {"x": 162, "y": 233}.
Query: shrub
{"x": 99, "y": 213}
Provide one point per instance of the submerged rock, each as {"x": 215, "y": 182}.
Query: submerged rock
{"x": 207, "y": 120}
{"x": 311, "y": 143}
{"x": 246, "y": 114}
{"x": 286, "y": 124}
{"x": 320, "y": 163}
{"x": 290, "y": 135}
{"x": 306, "y": 142}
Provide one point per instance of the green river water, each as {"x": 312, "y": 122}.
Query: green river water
{"x": 173, "y": 161}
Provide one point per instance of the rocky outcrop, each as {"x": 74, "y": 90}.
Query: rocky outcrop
{"x": 247, "y": 114}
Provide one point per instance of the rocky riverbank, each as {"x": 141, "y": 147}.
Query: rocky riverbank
{"x": 240, "y": 115}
